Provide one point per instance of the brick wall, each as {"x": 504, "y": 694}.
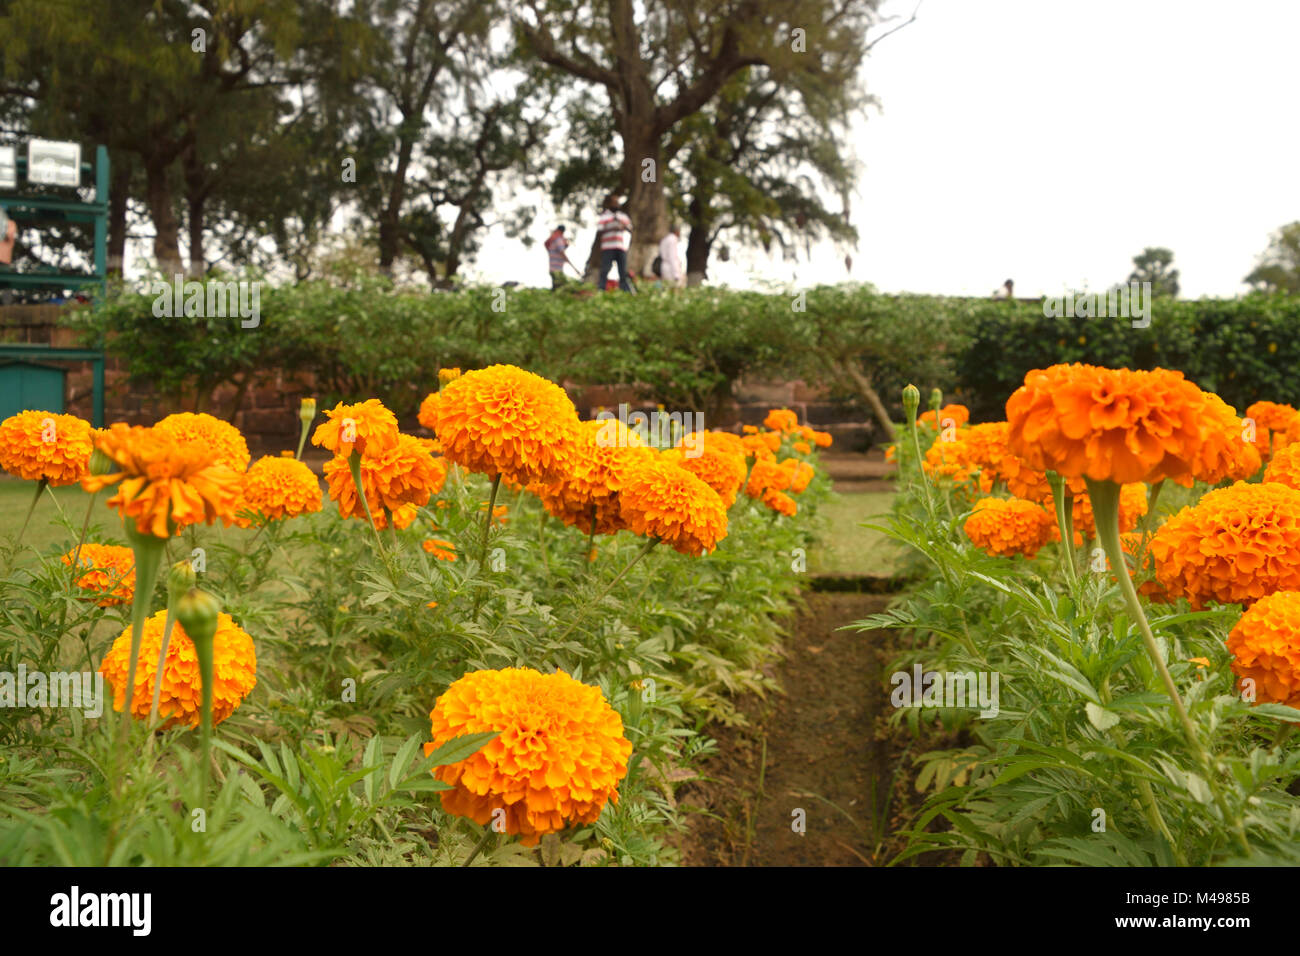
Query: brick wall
{"x": 268, "y": 414}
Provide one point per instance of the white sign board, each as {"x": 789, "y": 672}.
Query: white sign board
{"x": 53, "y": 164}
{"x": 8, "y": 168}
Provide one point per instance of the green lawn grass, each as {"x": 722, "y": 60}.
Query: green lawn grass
{"x": 848, "y": 548}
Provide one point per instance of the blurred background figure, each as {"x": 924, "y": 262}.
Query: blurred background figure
{"x": 613, "y": 229}
{"x": 556, "y": 257}
{"x": 670, "y": 260}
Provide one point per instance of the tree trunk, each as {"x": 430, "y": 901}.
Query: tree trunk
{"x": 195, "y": 200}
{"x": 390, "y": 232}
{"x": 697, "y": 255}
{"x": 647, "y": 205}
{"x": 166, "y": 240}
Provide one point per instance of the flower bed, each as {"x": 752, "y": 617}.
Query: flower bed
{"x": 497, "y": 644}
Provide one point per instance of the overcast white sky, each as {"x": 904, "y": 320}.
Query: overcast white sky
{"x": 1049, "y": 141}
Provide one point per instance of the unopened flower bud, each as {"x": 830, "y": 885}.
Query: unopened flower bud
{"x": 307, "y": 410}
{"x": 101, "y": 464}
{"x": 936, "y": 399}
{"x": 197, "y": 613}
{"x": 180, "y": 579}
{"x": 911, "y": 401}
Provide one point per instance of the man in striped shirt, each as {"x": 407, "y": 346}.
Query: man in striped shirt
{"x": 556, "y": 256}
{"x": 613, "y": 228}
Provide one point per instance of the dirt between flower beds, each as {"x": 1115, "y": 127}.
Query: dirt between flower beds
{"x": 824, "y": 747}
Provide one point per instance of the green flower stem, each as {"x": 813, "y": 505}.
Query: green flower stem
{"x": 148, "y": 552}
{"x": 488, "y": 834}
{"x": 40, "y": 487}
{"x": 204, "y": 651}
{"x": 591, "y": 536}
{"x": 302, "y": 438}
{"x": 1147, "y": 519}
{"x": 1064, "y": 502}
{"x": 354, "y": 466}
{"x": 1105, "y": 510}
{"x": 162, "y": 665}
{"x": 609, "y": 587}
{"x": 483, "y": 548}
{"x": 919, "y": 459}
{"x": 541, "y": 543}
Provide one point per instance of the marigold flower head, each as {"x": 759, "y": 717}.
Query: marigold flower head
{"x": 440, "y": 549}
{"x": 722, "y": 471}
{"x": 822, "y": 439}
{"x": 279, "y": 488}
{"x": 227, "y": 444}
{"x": 765, "y": 476}
{"x": 42, "y": 445}
{"x": 661, "y": 500}
{"x": 1284, "y": 468}
{"x": 956, "y": 414}
{"x": 401, "y": 479}
{"x": 163, "y": 480}
{"x": 801, "y": 474}
{"x": 1236, "y": 545}
{"x": 602, "y": 452}
{"x": 446, "y": 375}
{"x": 781, "y": 420}
{"x": 756, "y": 447}
{"x": 780, "y": 502}
{"x": 558, "y": 758}
{"x": 505, "y": 421}
{"x": 802, "y": 447}
{"x": 1008, "y": 526}
{"x": 368, "y": 428}
{"x": 721, "y": 441}
{"x": 1225, "y": 453}
{"x": 1265, "y": 647}
{"x": 1275, "y": 416}
{"x": 234, "y": 671}
{"x": 1107, "y": 424}
{"x": 110, "y": 571}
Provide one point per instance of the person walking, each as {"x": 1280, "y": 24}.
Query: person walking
{"x": 670, "y": 261}
{"x": 613, "y": 228}
{"x": 556, "y": 257}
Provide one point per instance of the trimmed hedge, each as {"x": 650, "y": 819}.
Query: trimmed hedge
{"x": 367, "y": 338}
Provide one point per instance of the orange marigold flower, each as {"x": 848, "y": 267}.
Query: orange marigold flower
{"x": 234, "y": 672}
{"x": 1008, "y": 526}
{"x": 721, "y": 441}
{"x": 781, "y": 420}
{"x": 1265, "y": 647}
{"x": 1285, "y": 466}
{"x": 502, "y": 420}
{"x": 603, "y": 451}
{"x": 891, "y": 453}
{"x": 822, "y": 439}
{"x": 164, "y": 481}
{"x": 772, "y": 440}
{"x": 1107, "y": 424}
{"x": 958, "y": 414}
{"x": 558, "y": 758}
{"x": 400, "y": 479}
{"x": 1225, "y": 453}
{"x": 765, "y": 476}
{"x": 111, "y": 572}
{"x": 1273, "y": 416}
{"x": 368, "y": 428}
{"x": 440, "y": 549}
{"x": 803, "y": 448}
{"x": 279, "y": 488}
{"x": 801, "y": 473}
{"x": 664, "y": 501}
{"x": 1236, "y": 545}
{"x": 43, "y": 445}
{"x": 780, "y": 502}
{"x": 224, "y": 439}
{"x": 722, "y": 471}
{"x": 756, "y": 447}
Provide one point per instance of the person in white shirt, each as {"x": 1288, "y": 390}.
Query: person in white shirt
{"x": 670, "y": 262}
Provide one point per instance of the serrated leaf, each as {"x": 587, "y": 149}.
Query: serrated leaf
{"x": 456, "y": 750}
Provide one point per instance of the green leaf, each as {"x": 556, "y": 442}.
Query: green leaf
{"x": 1099, "y": 717}
{"x": 454, "y": 751}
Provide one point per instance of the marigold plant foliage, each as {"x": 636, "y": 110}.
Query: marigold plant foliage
{"x": 110, "y": 571}
{"x": 1236, "y": 545}
{"x": 235, "y": 671}
{"x": 224, "y": 440}
{"x": 1107, "y": 424}
{"x": 41, "y": 445}
{"x": 277, "y": 488}
{"x": 163, "y": 480}
{"x": 1265, "y": 647}
{"x": 1004, "y": 527}
{"x": 558, "y": 759}
{"x": 663, "y": 501}
{"x": 503, "y": 420}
